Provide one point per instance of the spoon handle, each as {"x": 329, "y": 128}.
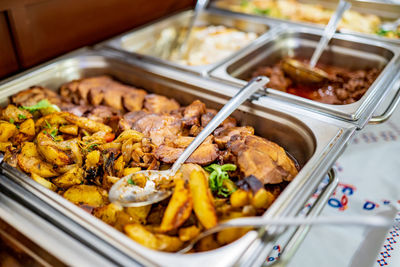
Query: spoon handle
{"x": 330, "y": 29}
{"x": 200, "y": 6}
{"x": 244, "y": 93}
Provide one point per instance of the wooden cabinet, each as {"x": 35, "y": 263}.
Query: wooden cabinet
{"x": 43, "y": 29}
{"x": 8, "y": 57}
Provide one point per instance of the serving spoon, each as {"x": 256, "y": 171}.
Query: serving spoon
{"x": 125, "y": 193}
{"x": 258, "y": 222}
{"x": 308, "y": 73}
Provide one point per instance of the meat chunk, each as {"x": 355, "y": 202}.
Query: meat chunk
{"x": 192, "y": 113}
{"x": 33, "y": 95}
{"x": 225, "y": 135}
{"x": 206, "y": 153}
{"x": 160, "y": 104}
{"x": 209, "y": 115}
{"x": 158, "y": 127}
{"x": 103, "y": 90}
{"x": 264, "y": 159}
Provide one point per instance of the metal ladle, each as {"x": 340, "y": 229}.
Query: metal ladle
{"x": 304, "y": 73}
{"x": 129, "y": 195}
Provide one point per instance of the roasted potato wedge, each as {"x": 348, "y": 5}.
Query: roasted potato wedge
{"x": 70, "y": 129}
{"x": 155, "y": 241}
{"x": 108, "y": 213}
{"x": 90, "y": 195}
{"x": 203, "y": 202}
{"x": 7, "y": 130}
{"x": 30, "y": 161}
{"x": 50, "y": 150}
{"x": 179, "y": 207}
{"x": 188, "y": 233}
{"x": 43, "y": 182}
{"x": 85, "y": 123}
{"x": 139, "y": 214}
{"x": 14, "y": 114}
{"x": 4, "y": 145}
{"x": 70, "y": 178}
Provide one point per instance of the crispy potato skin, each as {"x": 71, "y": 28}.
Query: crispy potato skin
{"x": 70, "y": 178}
{"x": 203, "y": 202}
{"x": 28, "y": 127}
{"x": 179, "y": 207}
{"x": 7, "y": 130}
{"x": 30, "y": 161}
{"x": 50, "y": 151}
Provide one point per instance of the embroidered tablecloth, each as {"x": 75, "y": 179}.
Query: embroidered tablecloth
{"x": 369, "y": 182}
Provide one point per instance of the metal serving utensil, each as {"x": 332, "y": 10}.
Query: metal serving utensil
{"x": 258, "y": 222}
{"x": 129, "y": 195}
{"x": 304, "y": 73}
{"x": 390, "y": 26}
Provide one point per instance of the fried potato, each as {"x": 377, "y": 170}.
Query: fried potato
{"x": 28, "y": 127}
{"x": 87, "y": 194}
{"x": 146, "y": 238}
{"x": 92, "y": 159}
{"x": 50, "y": 150}
{"x": 43, "y": 182}
{"x": 53, "y": 119}
{"x": 69, "y": 129}
{"x": 207, "y": 243}
{"x": 108, "y": 213}
{"x": 30, "y": 161}
{"x": 240, "y": 198}
{"x": 119, "y": 165}
{"x": 85, "y": 123}
{"x": 231, "y": 234}
{"x": 4, "y": 145}
{"x": 128, "y": 171}
{"x": 203, "y": 202}
{"x": 188, "y": 233}
{"x": 129, "y": 134}
{"x": 70, "y": 178}
{"x": 179, "y": 207}
{"x": 12, "y": 113}
{"x": 139, "y": 214}
{"x": 262, "y": 199}
{"x": 7, "y": 130}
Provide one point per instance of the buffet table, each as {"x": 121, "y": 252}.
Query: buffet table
{"x": 368, "y": 174}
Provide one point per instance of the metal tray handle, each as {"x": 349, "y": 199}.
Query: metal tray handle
{"x": 389, "y": 110}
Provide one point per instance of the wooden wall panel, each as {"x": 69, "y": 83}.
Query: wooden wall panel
{"x": 44, "y": 29}
{"x": 8, "y": 58}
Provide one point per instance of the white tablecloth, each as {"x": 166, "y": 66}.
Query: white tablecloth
{"x": 369, "y": 182}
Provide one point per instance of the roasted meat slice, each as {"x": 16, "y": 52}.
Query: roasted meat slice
{"x": 206, "y": 153}
{"x": 158, "y": 127}
{"x": 103, "y": 90}
{"x": 209, "y": 115}
{"x": 160, "y": 104}
{"x": 192, "y": 113}
{"x": 225, "y": 135}
{"x": 262, "y": 158}
{"x": 33, "y": 95}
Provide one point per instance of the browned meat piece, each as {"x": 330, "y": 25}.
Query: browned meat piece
{"x": 160, "y": 104}
{"x": 130, "y": 118}
{"x": 102, "y": 113}
{"x": 264, "y": 159}
{"x": 76, "y": 110}
{"x": 225, "y": 135}
{"x": 206, "y": 153}
{"x": 209, "y": 115}
{"x": 158, "y": 127}
{"x": 277, "y": 79}
{"x": 103, "y": 90}
{"x": 193, "y": 112}
{"x": 33, "y": 95}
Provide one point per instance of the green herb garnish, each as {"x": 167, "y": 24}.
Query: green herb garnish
{"x": 48, "y": 125}
{"x": 130, "y": 181}
{"x": 261, "y": 11}
{"x": 42, "y": 104}
{"x": 91, "y": 147}
{"x": 21, "y": 116}
{"x": 244, "y": 3}
{"x": 219, "y": 173}
{"x": 12, "y": 120}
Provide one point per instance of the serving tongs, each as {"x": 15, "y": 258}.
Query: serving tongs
{"x": 308, "y": 73}
{"x": 127, "y": 194}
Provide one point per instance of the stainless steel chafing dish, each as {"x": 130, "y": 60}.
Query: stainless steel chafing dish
{"x": 136, "y": 40}
{"x": 344, "y": 51}
{"x": 313, "y": 139}
{"x": 386, "y": 11}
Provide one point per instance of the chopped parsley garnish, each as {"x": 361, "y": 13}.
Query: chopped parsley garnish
{"x": 219, "y": 173}
{"x": 48, "y": 125}
{"x": 21, "y": 116}
{"x": 42, "y": 104}
{"x": 130, "y": 181}
{"x": 91, "y": 147}
{"x": 12, "y": 120}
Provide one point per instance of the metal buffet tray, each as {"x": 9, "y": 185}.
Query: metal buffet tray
{"x": 136, "y": 42}
{"x": 313, "y": 139}
{"x": 344, "y": 51}
{"x": 386, "y": 11}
